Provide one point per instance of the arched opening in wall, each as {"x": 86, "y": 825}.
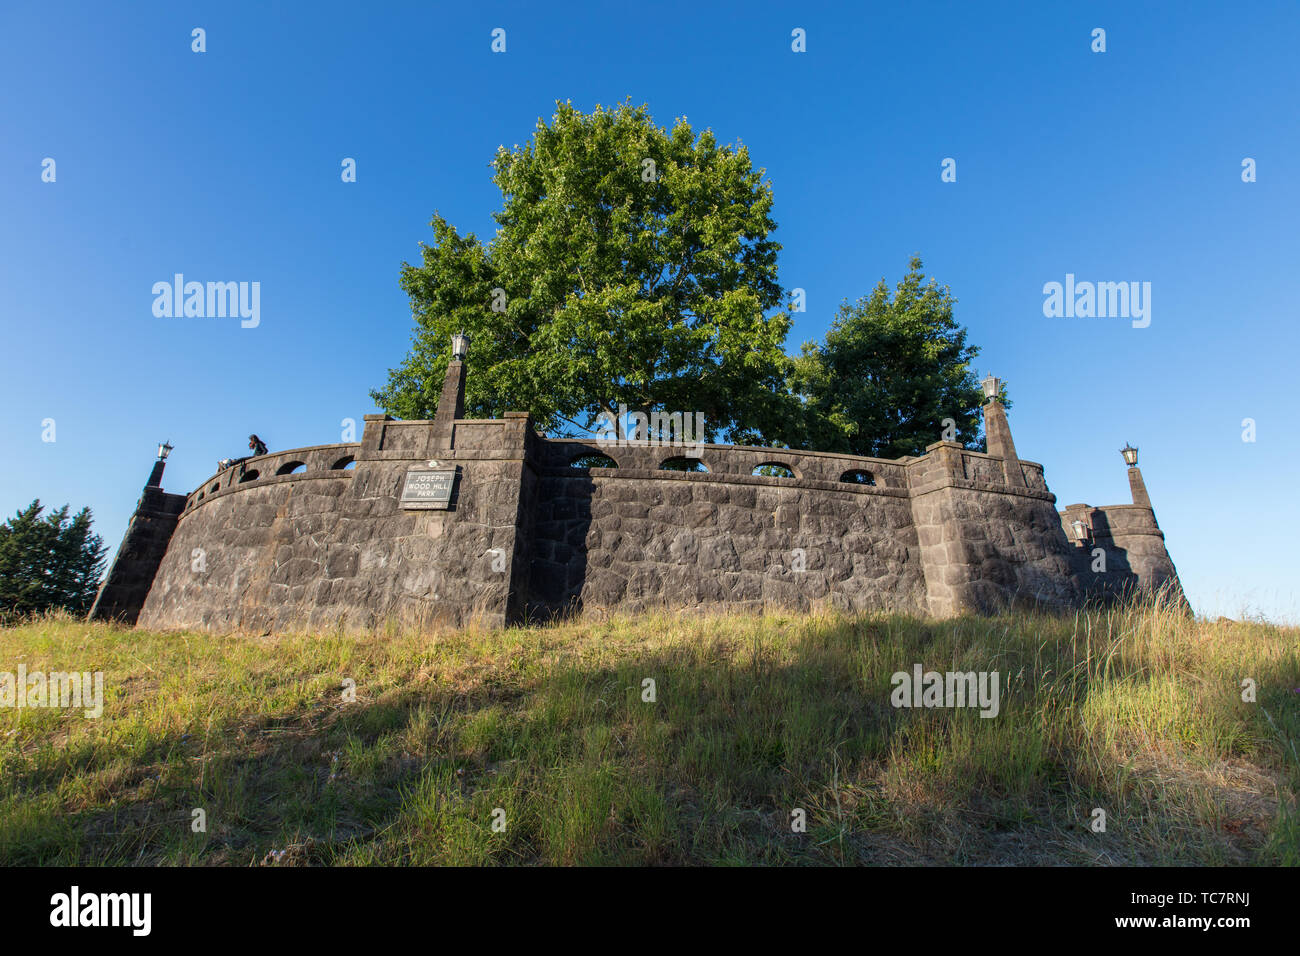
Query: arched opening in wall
{"x": 344, "y": 463}
{"x": 291, "y": 468}
{"x": 773, "y": 469}
{"x": 593, "y": 461}
{"x": 216, "y": 486}
{"x": 249, "y": 476}
{"x": 683, "y": 464}
{"x": 858, "y": 477}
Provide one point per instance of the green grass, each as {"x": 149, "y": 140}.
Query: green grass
{"x": 1135, "y": 711}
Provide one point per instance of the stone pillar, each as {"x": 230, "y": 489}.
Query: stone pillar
{"x": 520, "y": 435}
{"x": 986, "y": 544}
{"x": 943, "y": 554}
{"x": 451, "y": 406}
{"x": 372, "y": 435}
{"x": 131, "y": 575}
{"x": 997, "y": 433}
{"x": 1138, "y": 487}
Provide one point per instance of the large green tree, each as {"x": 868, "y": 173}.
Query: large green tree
{"x": 892, "y": 368}
{"x": 48, "y": 562}
{"x": 631, "y": 264}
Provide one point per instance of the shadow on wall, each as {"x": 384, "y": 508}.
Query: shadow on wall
{"x": 558, "y": 568}
{"x": 1119, "y": 580}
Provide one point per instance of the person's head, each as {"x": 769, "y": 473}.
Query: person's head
{"x": 253, "y": 441}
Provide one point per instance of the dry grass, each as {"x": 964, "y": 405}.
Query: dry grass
{"x": 1135, "y": 711}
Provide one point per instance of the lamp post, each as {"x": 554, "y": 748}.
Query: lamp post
{"x": 1130, "y": 455}
{"x": 451, "y": 404}
{"x": 992, "y": 386}
{"x": 155, "y": 476}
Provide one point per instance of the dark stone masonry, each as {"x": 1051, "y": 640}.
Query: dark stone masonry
{"x": 455, "y": 520}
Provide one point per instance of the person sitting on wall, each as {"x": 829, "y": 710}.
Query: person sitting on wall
{"x": 255, "y": 444}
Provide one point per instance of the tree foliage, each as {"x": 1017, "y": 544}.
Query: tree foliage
{"x": 892, "y": 368}
{"x": 48, "y": 562}
{"x": 631, "y": 265}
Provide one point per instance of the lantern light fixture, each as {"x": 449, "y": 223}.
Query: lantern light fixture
{"x": 459, "y": 346}
{"x": 1130, "y": 455}
{"x": 164, "y": 449}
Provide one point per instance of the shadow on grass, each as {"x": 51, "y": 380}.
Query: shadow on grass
{"x": 762, "y": 742}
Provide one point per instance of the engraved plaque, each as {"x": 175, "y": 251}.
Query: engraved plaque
{"x": 426, "y": 488}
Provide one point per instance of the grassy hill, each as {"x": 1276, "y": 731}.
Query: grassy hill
{"x": 1137, "y": 712}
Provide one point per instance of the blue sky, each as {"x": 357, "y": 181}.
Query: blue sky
{"x": 225, "y": 165}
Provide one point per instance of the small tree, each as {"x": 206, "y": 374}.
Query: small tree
{"x": 892, "y": 369}
{"x": 50, "y": 562}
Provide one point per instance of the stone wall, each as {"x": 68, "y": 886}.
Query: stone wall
{"x": 636, "y": 538}
{"x": 318, "y": 536}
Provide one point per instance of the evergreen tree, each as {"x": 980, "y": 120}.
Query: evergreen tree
{"x": 49, "y": 562}
{"x": 891, "y": 370}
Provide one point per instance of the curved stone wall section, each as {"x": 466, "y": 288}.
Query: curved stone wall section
{"x": 320, "y": 548}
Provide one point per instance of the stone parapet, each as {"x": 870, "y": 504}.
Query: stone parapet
{"x": 320, "y": 536}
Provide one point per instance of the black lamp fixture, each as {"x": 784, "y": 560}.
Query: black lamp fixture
{"x": 459, "y": 346}
{"x": 1130, "y": 455}
{"x": 164, "y": 449}
{"x": 992, "y": 385}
